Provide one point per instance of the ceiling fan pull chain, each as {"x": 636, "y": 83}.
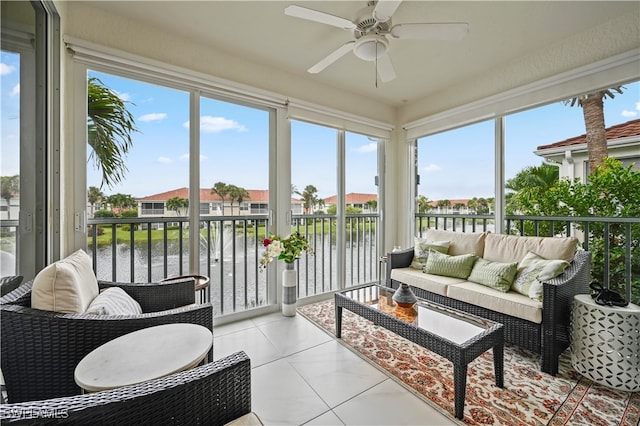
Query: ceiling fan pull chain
{"x": 376, "y": 66}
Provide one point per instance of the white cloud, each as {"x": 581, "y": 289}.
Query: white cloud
{"x": 638, "y": 106}
{"x": 431, "y": 168}
{"x": 165, "y": 160}
{"x": 6, "y": 69}
{"x": 627, "y": 113}
{"x": 212, "y": 124}
{"x": 16, "y": 90}
{"x": 370, "y": 147}
{"x": 156, "y": 116}
{"x": 124, "y": 96}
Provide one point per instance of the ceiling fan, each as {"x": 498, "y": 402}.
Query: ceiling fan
{"x": 371, "y": 29}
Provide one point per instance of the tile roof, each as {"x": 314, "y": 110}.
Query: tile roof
{"x": 623, "y": 130}
{"x": 256, "y": 195}
{"x": 352, "y": 198}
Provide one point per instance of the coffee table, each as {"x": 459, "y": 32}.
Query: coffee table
{"x": 143, "y": 355}
{"x": 452, "y": 334}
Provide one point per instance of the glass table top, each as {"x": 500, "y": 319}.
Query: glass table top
{"x": 439, "y": 320}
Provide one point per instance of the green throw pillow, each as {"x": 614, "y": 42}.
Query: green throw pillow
{"x": 496, "y": 275}
{"x": 449, "y": 266}
{"x": 421, "y": 249}
{"x": 532, "y": 270}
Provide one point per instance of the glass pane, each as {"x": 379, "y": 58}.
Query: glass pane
{"x": 361, "y": 204}
{"x": 456, "y": 177}
{"x": 155, "y": 169}
{"x": 314, "y": 188}
{"x": 10, "y": 160}
{"x": 234, "y": 196}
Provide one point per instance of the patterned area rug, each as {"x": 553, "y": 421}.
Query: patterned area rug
{"x": 529, "y": 397}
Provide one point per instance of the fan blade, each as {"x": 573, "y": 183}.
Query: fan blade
{"x": 332, "y": 57}
{"x": 443, "y": 31}
{"x": 323, "y": 18}
{"x": 385, "y": 9}
{"x": 385, "y": 68}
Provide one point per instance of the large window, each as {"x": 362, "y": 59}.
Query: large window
{"x": 333, "y": 175}
{"x": 456, "y": 175}
{"x": 29, "y": 217}
{"x": 140, "y": 180}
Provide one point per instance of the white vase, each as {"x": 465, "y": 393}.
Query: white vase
{"x": 289, "y": 288}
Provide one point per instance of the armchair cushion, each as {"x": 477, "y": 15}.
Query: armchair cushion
{"x": 68, "y": 285}
{"x": 114, "y": 301}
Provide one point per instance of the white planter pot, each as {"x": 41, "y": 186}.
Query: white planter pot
{"x": 289, "y": 288}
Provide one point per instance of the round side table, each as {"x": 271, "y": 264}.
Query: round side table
{"x": 605, "y": 343}
{"x": 201, "y": 286}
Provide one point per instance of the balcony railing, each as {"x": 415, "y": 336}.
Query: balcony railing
{"x": 614, "y": 242}
{"x": 150, "y": 249}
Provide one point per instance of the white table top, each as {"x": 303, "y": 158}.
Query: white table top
{"x": 143, "y": 355}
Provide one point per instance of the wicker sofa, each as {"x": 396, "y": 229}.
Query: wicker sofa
{"x": 539, "y": 326}
{"x": 40, "y": 349}
{"x": 212, "y": 394}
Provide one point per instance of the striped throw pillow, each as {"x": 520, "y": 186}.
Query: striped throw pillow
{"x": 496, "y": 275}
{"x": 449, "y": 266}
{"x": 114, "y": 301}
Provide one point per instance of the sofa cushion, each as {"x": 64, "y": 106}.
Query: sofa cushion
{"x": 114, "y": 301}
{"x": 433, "y": 283}
{"x": 460, "y": 242}
{"x": 421, "y": 248}
{"x": 532, "y": 270}
{"x": 449, "y": 266}
{"x": 511, "y": 248}
{"x": 496, "y": 275}
{"x": 510, "y": 303}
{"x": 68, "y": 285}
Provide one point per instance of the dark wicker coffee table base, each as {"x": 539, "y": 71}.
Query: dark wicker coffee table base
{"x": 459, "y": 355}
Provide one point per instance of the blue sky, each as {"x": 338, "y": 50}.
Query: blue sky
{"x": 234, "y": 144}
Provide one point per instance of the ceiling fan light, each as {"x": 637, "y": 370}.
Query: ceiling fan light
{"x": 370, "y": 47}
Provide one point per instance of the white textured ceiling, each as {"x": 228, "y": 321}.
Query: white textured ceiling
{"x": 499, "y": 33}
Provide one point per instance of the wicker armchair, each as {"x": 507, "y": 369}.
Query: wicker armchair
{"x": 40, "y": 349}
{"x": 212, "y": 394}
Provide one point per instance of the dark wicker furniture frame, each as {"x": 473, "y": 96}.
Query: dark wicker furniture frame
{"x": 549, "y": 338}
{"x": 459, "y": 354}
{"x": 40, "y": 349}
{"x": 212, "y": 394}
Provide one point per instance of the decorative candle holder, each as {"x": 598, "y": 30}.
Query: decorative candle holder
{"x": 404, "y": 297}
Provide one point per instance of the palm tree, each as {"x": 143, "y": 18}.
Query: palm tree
{"x": 238, "y": 194}
{"x": 423, "y": 204}
{"x": 9, "y": 187}
{"x": 221, "y": 189}
{"x": 593, "y": 111}
{"x": 309, "y": 198}
{"x": 93, "y": 196}
{"x": 110, "y": 126}
{"x": 121, "y": 201}
{"x": 177, "y": 204}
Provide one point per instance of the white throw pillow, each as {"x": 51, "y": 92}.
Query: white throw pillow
{"x": 68, "y": 285}
{"x": 114, "y": 301}
{"x": 534, "y": 269}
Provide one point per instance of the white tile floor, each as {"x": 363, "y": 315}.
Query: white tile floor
{"x": 303, "y": 376}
